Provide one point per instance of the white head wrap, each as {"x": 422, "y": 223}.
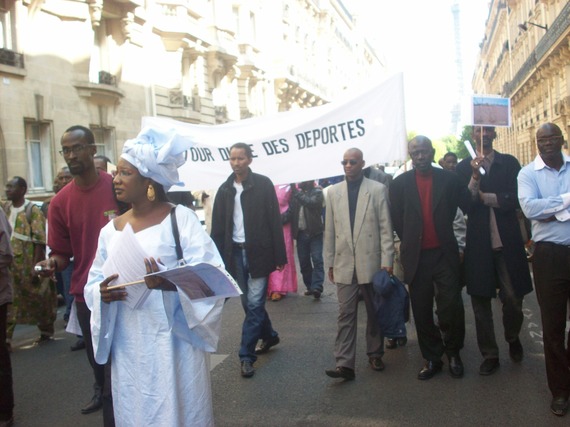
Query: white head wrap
{"x": 157, "y": 154}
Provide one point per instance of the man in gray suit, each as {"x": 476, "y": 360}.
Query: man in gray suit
{"x": 358, "y": 241}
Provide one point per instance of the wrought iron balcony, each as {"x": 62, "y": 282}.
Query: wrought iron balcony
{"x": 558, "y": 27}
{"x": 107, "y": 78}
{"x": 9, "y": 57}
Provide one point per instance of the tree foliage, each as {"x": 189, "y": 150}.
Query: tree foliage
{"x": 454, "y": 145}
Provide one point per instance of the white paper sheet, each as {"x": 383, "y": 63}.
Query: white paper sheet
{"x": 126, "y": 258}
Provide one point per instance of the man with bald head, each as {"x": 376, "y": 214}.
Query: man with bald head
{"x": 424, "y": 202}
{"x": 544, "y": 196}
{"x": 358, "y": 242}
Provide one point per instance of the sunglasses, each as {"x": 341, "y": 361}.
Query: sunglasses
{"x": 346, "y": 162}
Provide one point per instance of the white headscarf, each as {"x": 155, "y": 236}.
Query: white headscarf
{"x": 157, "y": 154}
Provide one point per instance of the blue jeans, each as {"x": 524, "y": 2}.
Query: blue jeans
{"x": 310, "y": 254}
{"x": 256, "y": 324}
{"x": 66, "y": 278}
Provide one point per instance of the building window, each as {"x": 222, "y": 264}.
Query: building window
{"x": 8, "y": 54}
{"x": 235, "y": 13}
{"x": 100, "y": 68}
{"x": 7, "y": 25}
{"x": 105, "y": 141}
{"x": 252, "y": 27}
{"x": 39, "y": 148}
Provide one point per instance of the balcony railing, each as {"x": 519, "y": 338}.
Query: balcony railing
{"x": 9, "y": 57}
{"x": 107, "y": 78}
{"x": 559, "y": 26}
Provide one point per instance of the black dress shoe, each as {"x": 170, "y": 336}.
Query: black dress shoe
{"x": 559, "y": 406}
{"x": 489, "y": 366}
{"x": 308, "y": 293}
{"x": 341, "y": 372}
{"x": 79, "y": 345}
{"x": 247, "y": 370}
{"x": 429, "y": 370}
{"x": 317, "y": 294}
{"x": 456, "y": 366}
{"x": 376, "y": 363}
{"x": 95, "y": 404}
{"x": 516, "y": 351}
{"x": 265, "y": 345}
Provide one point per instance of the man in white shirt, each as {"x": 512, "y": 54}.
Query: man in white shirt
{"x": 544, "y": 195}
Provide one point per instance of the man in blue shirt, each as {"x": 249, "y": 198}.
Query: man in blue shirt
{"x": 544, "y": 195}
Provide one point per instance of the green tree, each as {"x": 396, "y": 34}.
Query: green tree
{"x": 457, "y": 146}
{"x": 440, "y": 146}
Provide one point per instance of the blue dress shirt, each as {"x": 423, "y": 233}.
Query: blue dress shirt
{"x": 545, "y": 192}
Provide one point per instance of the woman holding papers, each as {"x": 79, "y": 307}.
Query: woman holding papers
{"x": 157, "y": 339}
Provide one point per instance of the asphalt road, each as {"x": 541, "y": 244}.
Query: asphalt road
{"x": 290, "y": 388}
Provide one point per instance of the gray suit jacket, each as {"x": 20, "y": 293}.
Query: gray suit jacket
{"x": 371, "y": 246}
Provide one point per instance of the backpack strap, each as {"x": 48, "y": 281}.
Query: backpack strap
{"x": 179, "y": 252}
{"x": 28, "y": 209}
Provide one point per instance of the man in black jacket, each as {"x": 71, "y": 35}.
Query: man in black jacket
{"x": 424, "y": 202}
{"x": 247, "y": 229}
{"x": 495, "y": 257}
{"x": 307, "y": 228}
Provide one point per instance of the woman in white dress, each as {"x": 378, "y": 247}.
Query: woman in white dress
{"x": 158, "y": 347}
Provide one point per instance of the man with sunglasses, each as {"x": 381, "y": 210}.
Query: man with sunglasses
{"x": 544, "y": 196}
{"x": 358, "y": 241}
{"x": 76, "y": 215}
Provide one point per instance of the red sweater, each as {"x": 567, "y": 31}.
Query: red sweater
{"x": 429, "y": 235}
{"x": 75, "y": 217}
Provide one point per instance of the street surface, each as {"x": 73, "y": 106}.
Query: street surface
{"x": 290, "y": 387}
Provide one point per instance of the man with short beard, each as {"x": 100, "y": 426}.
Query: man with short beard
{"x": 495, "y": 257}
{"x": 76, "y": 215}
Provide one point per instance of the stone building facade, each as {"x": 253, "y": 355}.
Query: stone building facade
{"x": 525, "y": 56}
{"x": 107, "y": 63}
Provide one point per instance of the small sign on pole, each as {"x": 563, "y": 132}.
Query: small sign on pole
{"x": 491, "y": 110}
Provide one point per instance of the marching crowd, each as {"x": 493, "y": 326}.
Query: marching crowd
{"x": 437, "y": 229}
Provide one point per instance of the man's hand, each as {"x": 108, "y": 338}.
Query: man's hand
{"x": 390, "y": 270}
{"x": 331, "y": 275}
{"x": 475, "y": 165}
{"x": 46, "y": 268}
{"x": 107, "y": 295}
{"x": 280, "y": 267}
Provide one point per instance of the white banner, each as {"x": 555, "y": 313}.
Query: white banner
{"x": 299, "y": 145}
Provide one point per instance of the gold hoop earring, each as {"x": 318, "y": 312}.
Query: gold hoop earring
{"x": 150, "y": 195}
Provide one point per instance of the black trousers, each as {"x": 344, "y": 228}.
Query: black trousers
{"x": 512, "y": 312}
{"x": 436, "y": 279}
{"x": 102, "y": 373}
{"x": 551, "y": 268}
{"x": 6, "y": 391}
